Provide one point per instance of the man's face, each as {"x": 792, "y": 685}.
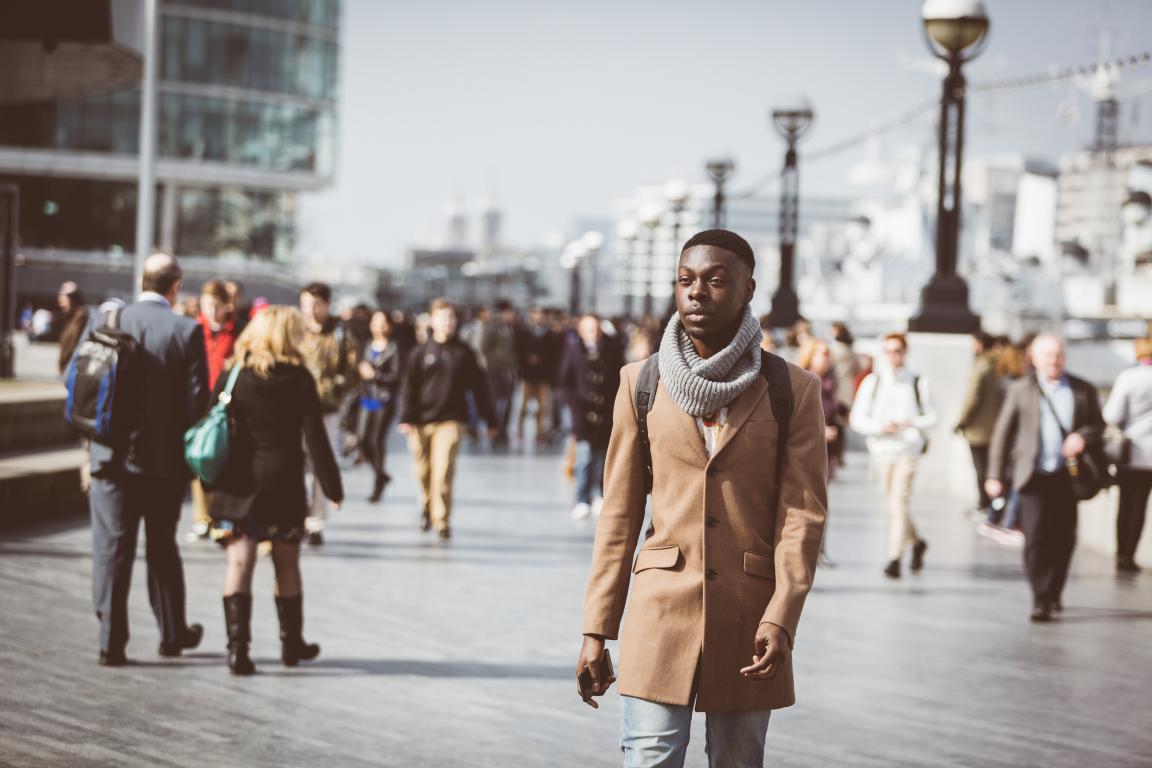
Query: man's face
{"x": 443, "y": 322}
{"x": 313, "y": 308}
{"x": 894, "y": 353}
{"x": 1048, "y": 357}
{"x": 537, "y": 317}
{"x": 712, "y": 287}
{"x": 213, "y": 310}
{"x": 588, "y": 330}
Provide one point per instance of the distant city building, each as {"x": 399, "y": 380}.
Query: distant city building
{"x": 247, "y": 110}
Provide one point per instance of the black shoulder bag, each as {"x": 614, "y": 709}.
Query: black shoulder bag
{"x": 1088, "y": 474}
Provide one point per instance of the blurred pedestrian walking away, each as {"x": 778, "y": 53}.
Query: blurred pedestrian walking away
{"x": 497, "y": 342}
{"x": 380, "y": 379}
{"x": 894, "y": 410}
{"x": 330, "y": 354}
{"x": 434, "y": 412}
{"x": 146, "y": 477}
{"x": 1129, "y": 409}
{"x": 1048, "y": 421}
{"x": 261, "y": 495}
{"x": 589, "y": 378}
{"x": 735, "y": 445}
{"x": 978, "y": 414}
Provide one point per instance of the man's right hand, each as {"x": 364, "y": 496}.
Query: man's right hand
{"x": 590, "y": 655}
{"x": 994, "y": 488}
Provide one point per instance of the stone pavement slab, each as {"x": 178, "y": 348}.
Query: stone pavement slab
{"x": 462, "y": 654}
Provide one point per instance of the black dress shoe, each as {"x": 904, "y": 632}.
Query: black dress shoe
{"x": 1041, "y": 613}
{"x": 314, "y": 539}
{"x": 113, "y": 659}
{"x": 918, "y": 555}
{"x": 192, "y": 637}
{"x": 445, "y": 534}
{"x": 892, "y": 571}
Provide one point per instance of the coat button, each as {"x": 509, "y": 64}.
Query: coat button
{"x": 712, "y": 522}
{"x": 711, "y": 574}
{"x": 712, "y": 472}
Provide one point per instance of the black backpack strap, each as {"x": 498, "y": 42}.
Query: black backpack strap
{"x": 916, "y": 390}
{"x": 775, "y": 371}
{"x": 645, "y": 395}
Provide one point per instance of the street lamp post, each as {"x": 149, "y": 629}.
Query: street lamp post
{"x": 719, "y": 170}
{"x": 676, "y": 194}
{"x": 956, "y": 31}
{"x": 592, "y": 241}
{"x": 650, "y": 216}
{"x": 571, "y": 260}
{"x": 627, "y": 231}
{"x": 791, "y": 124}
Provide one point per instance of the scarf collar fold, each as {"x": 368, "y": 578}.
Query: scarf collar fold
{"x": 705, "y": 385}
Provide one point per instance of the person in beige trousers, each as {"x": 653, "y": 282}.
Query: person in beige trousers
{"x": 894, "y": 410}
{"x": 434, "y": 412}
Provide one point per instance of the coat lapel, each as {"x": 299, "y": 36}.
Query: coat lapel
{"x": 739, "y": 411}
{"x": 680, "y": 424}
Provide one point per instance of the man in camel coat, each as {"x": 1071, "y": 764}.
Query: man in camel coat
{"x": 721, "y": 575}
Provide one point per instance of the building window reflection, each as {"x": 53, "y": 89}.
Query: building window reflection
{"x": 231, "y": 222}
{"x": 255, "y": 58}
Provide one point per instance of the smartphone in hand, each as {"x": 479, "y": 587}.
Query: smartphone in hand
{"x": 584, "y": 682}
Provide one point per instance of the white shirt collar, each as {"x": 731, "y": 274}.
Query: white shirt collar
{"x": 155, "y": 298}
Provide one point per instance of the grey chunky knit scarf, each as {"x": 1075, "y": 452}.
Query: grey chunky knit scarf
{"x": 703, "y": 386}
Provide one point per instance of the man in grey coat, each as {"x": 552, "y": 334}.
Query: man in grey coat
{"x": 1046, "y": 421}
{"x": 146, "y": 479}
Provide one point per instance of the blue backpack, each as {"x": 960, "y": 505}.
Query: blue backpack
{"x": 105, "y": 381}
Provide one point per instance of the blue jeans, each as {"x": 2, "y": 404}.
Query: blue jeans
{"x": 656, "y": 735}
{"x": 589, "y": 471}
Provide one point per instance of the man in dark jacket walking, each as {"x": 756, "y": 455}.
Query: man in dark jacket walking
{"x": 978, "y": 414}
{"x": 434, "y": 411}
{"x": 589, "y": 377}
{"x": 1048, "y": 420}
{"x": 146, "y": 479}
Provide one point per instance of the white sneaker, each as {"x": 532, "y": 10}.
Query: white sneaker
{"x": 988, "y": 531}
{"x": 597, "y": 505}
{"x": 1010, "y": 538}
{"x": 581, "y": 511}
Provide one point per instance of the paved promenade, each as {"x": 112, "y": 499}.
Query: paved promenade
{"x": 462, "y": 654}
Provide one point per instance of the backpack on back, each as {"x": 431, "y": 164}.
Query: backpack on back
{"x": 774, "y": 370}
{"x": 104, "y": 381}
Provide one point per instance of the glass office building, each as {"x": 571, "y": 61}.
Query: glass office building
{"x": 246, "y": 120}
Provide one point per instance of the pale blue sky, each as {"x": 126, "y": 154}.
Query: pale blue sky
{"x": 560, "y": 108}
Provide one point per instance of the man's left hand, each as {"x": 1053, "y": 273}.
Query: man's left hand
{"x": 772, "y": 651}
{"x": 1073, "y": 445}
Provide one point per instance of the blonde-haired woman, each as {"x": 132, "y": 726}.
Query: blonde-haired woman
{"x": 260, "y": 495}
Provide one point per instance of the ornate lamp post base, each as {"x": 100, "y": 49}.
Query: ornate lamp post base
{"x": 943, "y": 308}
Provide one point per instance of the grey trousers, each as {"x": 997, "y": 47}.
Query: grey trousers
{"x": 118, "y": 503}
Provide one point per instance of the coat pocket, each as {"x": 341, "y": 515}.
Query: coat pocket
{"x": 758, "y": 564}
{"x": 657, "y": 557}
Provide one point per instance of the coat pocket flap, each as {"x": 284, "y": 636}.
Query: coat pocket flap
{"x": 657, "y": 557}
{"x": 759, "y": 564}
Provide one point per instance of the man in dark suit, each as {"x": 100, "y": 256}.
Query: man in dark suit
{"x": 1046, "y": 421}
{"x": 146, "y": 479}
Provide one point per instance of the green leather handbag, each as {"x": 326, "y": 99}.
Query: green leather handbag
{"x": 208, "y": 442}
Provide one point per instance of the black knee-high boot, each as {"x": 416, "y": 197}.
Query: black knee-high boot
{"x": 238, "y": 621}
{"x": 293, "y": 649}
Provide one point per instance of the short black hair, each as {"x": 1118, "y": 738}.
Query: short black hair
{"x": 321, "y": 291}
{"x": 726, "y": 239}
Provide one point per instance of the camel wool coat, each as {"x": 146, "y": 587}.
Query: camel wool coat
{"x": 716, "y": 560}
